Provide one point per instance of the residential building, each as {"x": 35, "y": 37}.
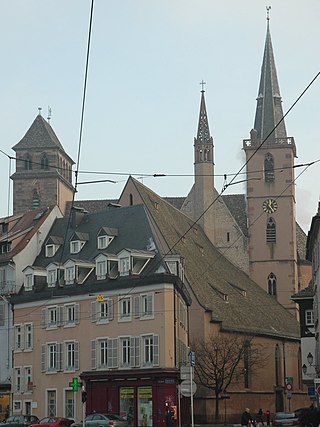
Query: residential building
{"x": 21, "y": 238}
{"x": 102, "y": 303}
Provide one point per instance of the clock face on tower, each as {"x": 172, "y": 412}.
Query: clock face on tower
{"x": 270, "y": 205}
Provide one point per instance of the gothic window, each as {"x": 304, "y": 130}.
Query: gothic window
{"x": 206, "y": 154}
{"x": 44, "y": 162}
{"x": 246, "y": 363}
{"x": 35, "y": 199}
{"x": 131, "y": 199}
{"x": 277, "y": 360}
{"x": 271, "y": 232}
{"x": 272, "y": 284}
{"x": 269, "y": 168}
{"x": 28, "y": 163}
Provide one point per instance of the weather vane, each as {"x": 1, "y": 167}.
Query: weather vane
{"x": 268, "y": 9}
{"x": 202, "y": 85}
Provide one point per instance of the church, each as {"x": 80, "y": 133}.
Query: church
{"x": 238, "y": 253}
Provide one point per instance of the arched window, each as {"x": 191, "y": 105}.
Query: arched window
{"x": 269, "y": 168}
{"x": 246, "y": 363}
{"x": 35, "y": 199}
{"x": 44, "y": 162}
{"x": 28, "y": 163}
{"x": 272, "y": 284}
{"x": 277, "y": 365}
{"x": 271, "y": 231}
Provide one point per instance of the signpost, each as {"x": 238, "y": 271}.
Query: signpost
{"x": 188, "y": 388}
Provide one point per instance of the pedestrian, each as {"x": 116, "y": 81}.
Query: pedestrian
{"x": 246, "y": 418}
{"x": 260, "y": 417}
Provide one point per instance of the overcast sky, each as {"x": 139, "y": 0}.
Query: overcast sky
{"x": 146, "y": 62}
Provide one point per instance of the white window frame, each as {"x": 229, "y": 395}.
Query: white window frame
{"x": 71, "y": 351}
{"x": 52, "y": 317}
{"x": 125, "y": 309}
{"x": 28, "y": 335}
{"x": 70, "y": 274}
{"x": 51, "y": 409}
{"x": 76, "y": 246}
{"x": 50, "y": 250}
{"x": 71, "y": 314}
{"x": 309, "y": 317}
{"x": 150, "y": 350}
{"x": 101, "y": 270}
{"x": 28, "y": 379}
{"x": 52, "y": 357}
{"x": 19, "y": 340}
{"x": 28, "y": 281}
{"x": 147, "y": 306}
{"x": 125, "y": 352}
{"x": 124, "y": 266}
{"x": 103, "y": 353}
{"x": 52, "y": 277}
{"x": 18, "y": 379}
{"x": 69, "y": 403}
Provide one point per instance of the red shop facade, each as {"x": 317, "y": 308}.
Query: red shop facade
{"x": 146, "y": 398}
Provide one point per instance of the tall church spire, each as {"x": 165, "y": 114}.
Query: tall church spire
{"x": 203, "y": 143}
{"x": 269, "y": 109}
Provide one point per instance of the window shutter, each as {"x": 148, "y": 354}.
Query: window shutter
{"x": 132, "y": 352}
{"x": 112, "y": 353}
{"x": 137, "y": 345}
{"x": 93, "y": 311}
{"x": 149, "y": 305}
{"x": 60, "y": 315}
{"x": 59, "y": 356}
{"x": 43, "y": 358}
{"x": 155, "y": 350}
{"x": 2, "y": 314}
{"x": 77, "y": 313}
{"x": 23, "y": 387}
{"x": 43, "y": 318}
{"x": 76, "y": 356}
{"x": 93, "y": 354}
{"x": 110, "y": 309}
{"x": 22, "y": 341}
{"x": 137, "y": 306}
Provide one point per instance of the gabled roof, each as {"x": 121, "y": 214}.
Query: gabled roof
{"x": 210, "y": 275}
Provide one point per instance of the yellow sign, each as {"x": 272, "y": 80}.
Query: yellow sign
{"x": 100, "y": 298}
{"x": 145, "y": 392}
{"x": 126, "y": 393}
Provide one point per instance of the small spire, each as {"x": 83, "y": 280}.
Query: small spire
{"x": 202, "y": 85}
{"x": 39, "y": 110}
{"x": 268, "y": 10}
{"x": 203, "y": 134}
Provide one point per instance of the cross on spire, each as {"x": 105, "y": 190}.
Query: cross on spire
{"x": 268, "y": 14}
{"x": 202, "y": 85}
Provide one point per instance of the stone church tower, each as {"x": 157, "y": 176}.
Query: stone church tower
{"x": 270, "y": 157}
{"x": 43, "y": 175}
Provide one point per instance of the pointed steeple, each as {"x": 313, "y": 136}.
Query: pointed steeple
{"x": 269, "y": 109}
{"x": 203, "y": 143}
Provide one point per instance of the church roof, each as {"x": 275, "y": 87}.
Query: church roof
{"x": 39, "y": 135}
{"x": 220, "y": 287}
{"x": 269, "y": 109}
{"x": 203, "y": 134}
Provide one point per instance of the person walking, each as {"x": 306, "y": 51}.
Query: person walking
{"x": 246, "y": 418}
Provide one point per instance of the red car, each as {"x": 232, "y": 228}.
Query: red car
{"x": 53, "y": 422}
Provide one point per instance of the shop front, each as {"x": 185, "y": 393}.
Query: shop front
{"x": 147, "y": 398}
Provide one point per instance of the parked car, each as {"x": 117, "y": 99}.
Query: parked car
{"x": 19, "y": 421}
{"x": 53, "y": 422}
{"x": 285, "y": 419}
{"x": 102, "y": 420}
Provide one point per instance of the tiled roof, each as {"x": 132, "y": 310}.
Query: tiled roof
{"x": 211, "y": 276}
{"x": 39, "y": 135}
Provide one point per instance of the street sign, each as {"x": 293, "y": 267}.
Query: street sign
{"x": 185, "y": 372}
{"x": 192, "y": 358}
{"x": 289, "y": 386}
{"x": 289, "y": 395}
{"x": 311, "y": 391}
{"x": 316, "y": 380}
{"x": 188, "y": 388}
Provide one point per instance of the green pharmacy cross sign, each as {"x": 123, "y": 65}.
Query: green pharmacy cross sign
{"x": 75, "y": 384}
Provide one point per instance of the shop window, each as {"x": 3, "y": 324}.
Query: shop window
{"x": 145, "y": 406}
{"x": 52, "y": 403}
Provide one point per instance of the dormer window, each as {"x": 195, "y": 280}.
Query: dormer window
{"x": 76, "y": 246}
{"x": 77, "y": 271}
{"x": 70, "y": 275}
{"x": 105, "y": 237}
{"x": 28, "y": 281}
{"x": 106, "y": 266}
{"x": 52, "y": 278}
{"x": 77, "y": 242}
{"x": 133, "y": 261}
{"x": 175, "y": 265}
{"x": 50, "y": 251}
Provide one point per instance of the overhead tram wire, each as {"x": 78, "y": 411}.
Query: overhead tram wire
{"x": 81, "y": 127}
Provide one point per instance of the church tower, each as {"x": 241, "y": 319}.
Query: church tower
{"x": 270, "y": 157}
{"x": 198, "y": 203}
{"x": 43, "y": 175}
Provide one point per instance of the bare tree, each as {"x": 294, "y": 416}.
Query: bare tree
{"x": 226, "y": 359}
